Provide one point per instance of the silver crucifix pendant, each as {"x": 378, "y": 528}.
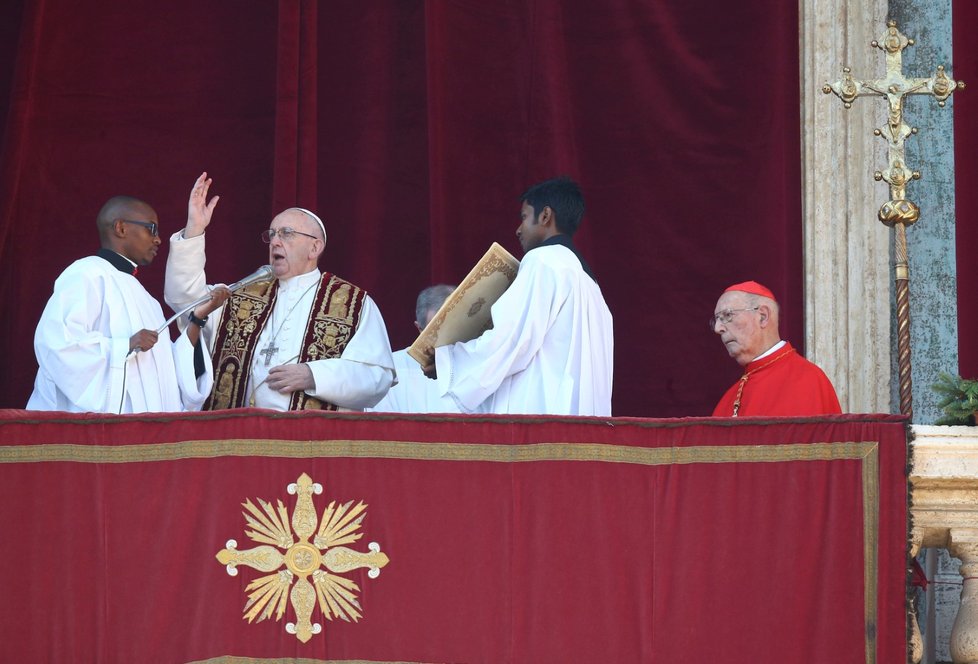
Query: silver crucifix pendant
{"x": 268, "y": 351}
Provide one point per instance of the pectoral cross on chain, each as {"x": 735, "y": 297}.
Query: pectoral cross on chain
{"x": 268, "y": 351}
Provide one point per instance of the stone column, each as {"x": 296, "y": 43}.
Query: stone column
{"x": 847, "y": 250}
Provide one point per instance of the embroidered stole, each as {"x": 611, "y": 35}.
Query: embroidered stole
{"x": 332, "y": 322}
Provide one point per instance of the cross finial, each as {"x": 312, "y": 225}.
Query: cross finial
{"x": 898, "y": 212}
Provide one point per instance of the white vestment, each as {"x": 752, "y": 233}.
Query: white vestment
{"x": 414, "y": 392}
{"x": 551, "y": 348}
{"x": 82, "y": 348}
{"x": 357, "y": 379}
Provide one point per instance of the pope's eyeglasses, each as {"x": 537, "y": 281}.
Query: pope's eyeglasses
{"x": 285, "y": 234}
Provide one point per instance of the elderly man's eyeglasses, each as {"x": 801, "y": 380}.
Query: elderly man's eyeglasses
{"x": 151, "y": 225}
{"x": 285, "y": 234}
{"x": 726, "y": 316}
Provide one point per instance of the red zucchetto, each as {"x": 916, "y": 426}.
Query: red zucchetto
{"x": 753, "y": 288}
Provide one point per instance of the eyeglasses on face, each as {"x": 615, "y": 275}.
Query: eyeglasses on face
{"x": 285, "y": 234}
{"x": 151, "y": 225}
{"x": 726, "y": 316}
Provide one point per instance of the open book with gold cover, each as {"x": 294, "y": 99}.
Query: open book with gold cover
{"x": 465, "y": 313}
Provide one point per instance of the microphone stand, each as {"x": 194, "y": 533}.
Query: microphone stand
{"x": 264, "y": 273}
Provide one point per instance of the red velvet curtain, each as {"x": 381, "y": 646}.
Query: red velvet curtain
{"x": 413, "y": 128}
{"x": 965, "y": 66}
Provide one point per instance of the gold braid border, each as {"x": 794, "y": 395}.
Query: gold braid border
{"x": 387, "y": 449}
{"x": 231, "y": 659}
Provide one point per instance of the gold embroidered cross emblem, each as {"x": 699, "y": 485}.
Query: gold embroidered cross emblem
{"x": 303, "y": 559}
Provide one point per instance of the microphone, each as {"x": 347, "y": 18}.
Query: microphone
{"x": 262, "y": 274}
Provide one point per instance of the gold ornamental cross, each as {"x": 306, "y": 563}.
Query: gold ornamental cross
{"x": 292, "y": 560}
{"x": 898, "y": 212}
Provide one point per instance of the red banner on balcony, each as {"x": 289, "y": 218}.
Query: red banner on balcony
{"x": 280, "y": 537}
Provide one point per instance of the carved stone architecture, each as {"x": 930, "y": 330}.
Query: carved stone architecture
{"x": 944, "y": 507}
{"x": 847, "y": 286}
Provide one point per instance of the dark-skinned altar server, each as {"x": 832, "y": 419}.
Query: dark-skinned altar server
{"x": 97, "y": 345}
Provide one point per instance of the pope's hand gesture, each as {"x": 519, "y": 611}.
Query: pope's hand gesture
{"x": 199, "y": 210}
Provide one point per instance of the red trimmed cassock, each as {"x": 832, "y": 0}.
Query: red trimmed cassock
{"x": 780, "y": 384}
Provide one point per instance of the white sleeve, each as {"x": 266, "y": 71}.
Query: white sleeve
{"x": 395, "y": 401}
{"x": 361, "y": 376}
{"x": 472, "y": 371}
{"x": 193, "y": 391}
{"x": 186, "y": 282}
{"x": 83, "y": 363}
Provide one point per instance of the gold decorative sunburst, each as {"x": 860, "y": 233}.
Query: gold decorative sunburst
{"x": 301, "y": 559}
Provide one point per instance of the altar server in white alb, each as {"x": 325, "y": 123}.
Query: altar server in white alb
{"x": 414, "y": 392}
{"x": 307, "y": 340}
{"x": 551, "y": 346}
{"x": 97, "y": 344}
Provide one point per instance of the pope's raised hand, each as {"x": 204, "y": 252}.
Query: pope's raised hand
{"x": 199, "y": 210}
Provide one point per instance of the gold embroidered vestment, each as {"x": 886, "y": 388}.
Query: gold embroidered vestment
{"x": 332, "y": 321}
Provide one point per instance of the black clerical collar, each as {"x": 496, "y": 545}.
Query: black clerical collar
{"x": 119, "y": 262}
{"x": 565, "y": 241}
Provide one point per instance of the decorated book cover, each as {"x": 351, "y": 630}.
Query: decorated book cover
{"x": 465, "y": 314}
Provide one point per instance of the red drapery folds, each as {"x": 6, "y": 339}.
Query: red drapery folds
{"x": 412, "y": 128}
{"x": 965, "y": 66}
{"x": 497, "y": 540}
